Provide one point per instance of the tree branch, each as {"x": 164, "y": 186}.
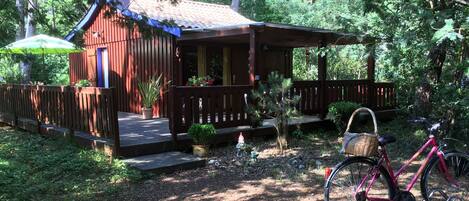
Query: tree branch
{"x": 463, "y": 2}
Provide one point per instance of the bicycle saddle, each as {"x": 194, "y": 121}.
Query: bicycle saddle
{"x": 386, "y": 139}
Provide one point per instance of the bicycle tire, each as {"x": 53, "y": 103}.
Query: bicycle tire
{"x": 428, "y": 168}
{"x": 364, "y": 160}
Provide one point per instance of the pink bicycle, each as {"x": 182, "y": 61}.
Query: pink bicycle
{"x": 443, "y": 175}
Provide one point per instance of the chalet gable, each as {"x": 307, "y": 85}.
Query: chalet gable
{"x": 186, "y": 15}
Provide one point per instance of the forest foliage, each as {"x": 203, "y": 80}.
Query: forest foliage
{"x": 423, "y": 45}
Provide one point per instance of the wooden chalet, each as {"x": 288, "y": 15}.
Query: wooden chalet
{"x": 198, "y": 39}
{"x": 187, "y": 39}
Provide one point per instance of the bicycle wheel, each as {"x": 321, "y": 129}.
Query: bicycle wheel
{"x": 346, "y": 177}
{"x": 434, "y": 185}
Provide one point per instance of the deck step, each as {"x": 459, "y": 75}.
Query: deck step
{"x": 165, "y": 162}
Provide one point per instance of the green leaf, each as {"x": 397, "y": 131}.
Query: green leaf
{"x": 446, "y": 32}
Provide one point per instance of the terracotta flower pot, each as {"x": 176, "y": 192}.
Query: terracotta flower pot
{"x": 200, "y": 150}
{"x": 147, "y": 113}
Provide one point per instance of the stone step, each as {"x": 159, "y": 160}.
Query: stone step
{"x": 149, "y": 148}
{"x": 165, "y": 162}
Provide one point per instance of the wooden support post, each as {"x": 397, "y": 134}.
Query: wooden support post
{"x": 253, "y": 43}
{"x": 14, "y": 106}
{"x": 371, "y": 77}
{"x": 226, "y": 66}
{"x": 176, "y": 69}
{"x": 174, "y": 109}
{"x": 202, "y": 61}
{"x": 36, "y": 94}
{"x": 322, "y": 77}
{"x": 69, "y": 110}
{"x": 115, "y": 123}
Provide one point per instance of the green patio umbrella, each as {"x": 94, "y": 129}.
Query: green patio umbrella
{"x": 40, "y": 44}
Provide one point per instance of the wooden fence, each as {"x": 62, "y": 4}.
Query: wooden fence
{"x": 222, "y": 106}
{"x": 88, "y": 109}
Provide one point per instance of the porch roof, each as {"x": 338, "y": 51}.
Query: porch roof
{"x": 274, "y": 34}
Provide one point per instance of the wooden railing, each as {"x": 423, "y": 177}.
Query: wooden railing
{"x": 89, "y": 109}
{"x": 310, "y": 94}
{"x": 222, "y": 106}
{"x": 347, "y": 90}
{"x": 378, "y": 96}
{"x": 385, "y": 96}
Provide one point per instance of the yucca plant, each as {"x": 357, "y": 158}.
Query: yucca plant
{"x": 150, "y": 91}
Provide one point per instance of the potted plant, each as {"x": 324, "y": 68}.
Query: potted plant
{"x": 83, "y": 83}
{"x": 201, "y": 134}
{"x": 150, "y": 93}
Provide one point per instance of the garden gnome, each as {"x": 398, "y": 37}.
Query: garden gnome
{"x": 240, "y": 145}
{"x": 254, "y": 156}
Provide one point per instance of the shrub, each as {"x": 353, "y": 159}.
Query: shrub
{"x": 202, "y": 133}
{"x": 83, "y": 83}
{"x": 254, "y": 116}
{"x": 9, "y": 71}
{"x": 298, "y": 133}
{"x": 340, "y": 112}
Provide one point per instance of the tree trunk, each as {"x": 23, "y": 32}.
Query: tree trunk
{"x": 437, "y": 58}
{"x": 21, "y": 13}
{"x": 423, "y": 106}
{"x": 282, "y": 135}
{"x": 235, "y": 5}
{"x": 30, "y": 31}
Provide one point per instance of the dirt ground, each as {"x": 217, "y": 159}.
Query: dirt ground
{"x": 298, "y": 174}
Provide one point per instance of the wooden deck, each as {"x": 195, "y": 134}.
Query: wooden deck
{"x": 140, "y": 137}
{"x": 134, "y": 130}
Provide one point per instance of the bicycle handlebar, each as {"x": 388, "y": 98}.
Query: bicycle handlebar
{"x": 431, "y": 128}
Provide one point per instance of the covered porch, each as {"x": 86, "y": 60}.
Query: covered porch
{"x": 249, "y": 53}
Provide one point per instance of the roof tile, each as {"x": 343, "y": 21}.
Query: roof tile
{"x": 189, "y": 14}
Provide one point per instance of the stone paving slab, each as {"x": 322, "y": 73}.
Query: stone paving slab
{"x": 165, "y": 162}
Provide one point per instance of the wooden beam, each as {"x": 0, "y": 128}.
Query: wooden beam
{"x": 202, "y": 61}
{"x": 226, "y": 66}
{"x": 214, "y": 34}
{"x": 253, "y": 43}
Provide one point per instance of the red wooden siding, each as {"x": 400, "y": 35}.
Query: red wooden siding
{"x": 131, "y": 58}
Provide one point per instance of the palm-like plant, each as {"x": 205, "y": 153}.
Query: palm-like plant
{"x": 150, "y": 91}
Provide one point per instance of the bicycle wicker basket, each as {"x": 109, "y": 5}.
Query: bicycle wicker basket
{"x": 361, "y": 144}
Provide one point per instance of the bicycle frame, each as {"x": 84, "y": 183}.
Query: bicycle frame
{"x": 395, "y": 176}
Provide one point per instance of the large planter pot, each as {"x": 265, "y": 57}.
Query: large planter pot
{"x": 147, "y": 113}
{"x": 200, "y": 150}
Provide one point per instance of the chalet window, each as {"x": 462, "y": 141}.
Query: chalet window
{"x": 189, "y": 63}
{"x": 215, "y": 64}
